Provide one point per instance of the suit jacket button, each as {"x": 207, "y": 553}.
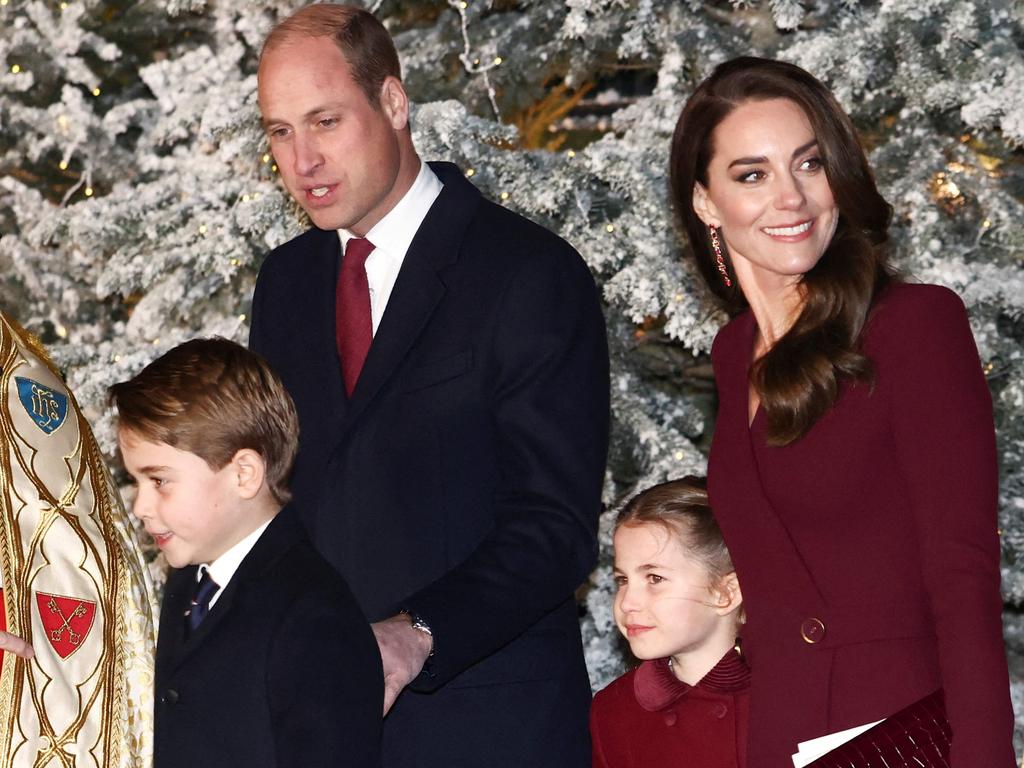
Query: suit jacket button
{"x": 812, "y": 630}
{"x": 170, "y": 696}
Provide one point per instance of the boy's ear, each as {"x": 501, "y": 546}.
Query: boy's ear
{"x": 250, "y": 471}
{"x": 728, "y": 597}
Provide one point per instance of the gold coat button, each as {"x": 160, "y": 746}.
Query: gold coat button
{"x": 812, "y": 630}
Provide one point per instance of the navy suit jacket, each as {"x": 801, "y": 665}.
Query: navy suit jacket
{"x": 462, "y": 480}
{"x": 284, "y": 670}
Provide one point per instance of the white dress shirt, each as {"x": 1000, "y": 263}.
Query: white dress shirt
{"x": 392, "y": 236}
{"x": 222, "y": 570}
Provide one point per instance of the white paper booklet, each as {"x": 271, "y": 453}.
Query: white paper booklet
{"x": 809, "y": 751}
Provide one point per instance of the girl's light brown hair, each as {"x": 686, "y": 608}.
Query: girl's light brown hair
{"x": 798, "y": 379}
{"x": 681, "y": 506}
{"x": 213, "y": 397}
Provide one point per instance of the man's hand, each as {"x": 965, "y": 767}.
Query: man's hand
{"x": 19, "y": 647}
{"x": 403, "y": 651}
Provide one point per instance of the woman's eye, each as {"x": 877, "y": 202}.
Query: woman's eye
{"x": 750, "y": 177}
{"x": 654, "y": 578}
{"x": 811, "y": 164}
{"x": 328, "y": 122}
{"x": 620, "y": 581}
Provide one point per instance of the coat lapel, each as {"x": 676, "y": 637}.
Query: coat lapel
{"x": 217, "y": 613}
{"x": 766, "y": 555}
{"x": 177, "y": 594}
{"x": 325, "y": 366}
{"x": 280, "y": 536}
{"x": 419, "y": 287}
{"x": 744, "y": 472}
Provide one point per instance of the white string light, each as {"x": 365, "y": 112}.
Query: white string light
{"x": 472, "y": 65}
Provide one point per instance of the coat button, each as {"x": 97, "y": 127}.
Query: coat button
{"x": 812, "y": 630}
{"x": 170, "y": 697}
{"x": 719, "y": 710}
{"x": 670, "y": 717}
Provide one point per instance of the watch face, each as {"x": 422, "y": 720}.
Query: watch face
{"x": 417, "y": 622}
{"x": 421, "y": 625}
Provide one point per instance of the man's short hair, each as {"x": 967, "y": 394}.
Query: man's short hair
{"x": 362, "y": 39}
{"x": 213, "y": 397}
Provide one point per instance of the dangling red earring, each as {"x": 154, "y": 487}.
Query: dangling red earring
{"x": 716, "y": 246}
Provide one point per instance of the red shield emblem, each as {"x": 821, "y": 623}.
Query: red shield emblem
{"x": 67, "y": 621}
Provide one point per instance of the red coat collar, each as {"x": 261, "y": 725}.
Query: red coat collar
{"x": 656, "y": 687}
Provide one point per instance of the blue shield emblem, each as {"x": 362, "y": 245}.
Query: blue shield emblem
{"x": 47, "y": 407}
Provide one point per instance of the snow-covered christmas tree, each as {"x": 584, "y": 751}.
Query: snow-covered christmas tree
{"x": 137, "y": 197}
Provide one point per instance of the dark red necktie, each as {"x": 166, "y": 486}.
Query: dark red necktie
{"x": 353, "y": 325}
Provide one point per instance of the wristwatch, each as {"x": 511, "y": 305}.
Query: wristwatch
{"x": 418, "y": 623}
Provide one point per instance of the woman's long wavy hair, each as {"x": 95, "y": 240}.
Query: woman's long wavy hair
{"x": 798, "y": 378}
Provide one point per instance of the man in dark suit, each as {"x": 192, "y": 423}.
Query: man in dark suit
{"x": 264, "y": 658}
{"x": 451, "y": 464}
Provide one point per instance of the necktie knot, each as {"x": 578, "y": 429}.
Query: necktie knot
{"x": 352, "y": 311}
{"x": 357, "y": 251}
{"x": 200, "y": 605}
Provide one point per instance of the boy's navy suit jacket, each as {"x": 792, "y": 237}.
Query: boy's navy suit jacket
{"x": 283, "y": 671}
{"x": 462, "y": 480}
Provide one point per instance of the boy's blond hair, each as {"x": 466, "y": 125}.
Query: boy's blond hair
{"x": 213, "y": 397}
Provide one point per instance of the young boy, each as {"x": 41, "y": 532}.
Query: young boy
{"x": 263, "y": 656}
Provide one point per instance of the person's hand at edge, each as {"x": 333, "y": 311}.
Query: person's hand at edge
{"x": 17, "y": 646}
{"x": 403, "y": 652}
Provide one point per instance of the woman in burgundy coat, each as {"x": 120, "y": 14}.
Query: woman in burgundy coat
{"x": 678, "y": 604}
{"x": 853, "y": 468}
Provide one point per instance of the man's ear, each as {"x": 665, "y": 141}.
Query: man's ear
{"x": 250, "y": 470}
{"x": 394, "y": 102}
{"x": 728, "y": 597}
{"x": 704, "y": 207}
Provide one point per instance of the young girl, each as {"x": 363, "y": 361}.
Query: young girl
{"x": 678, "y": 605}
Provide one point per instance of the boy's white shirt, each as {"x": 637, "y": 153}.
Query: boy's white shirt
{"x": 222, "y": 570}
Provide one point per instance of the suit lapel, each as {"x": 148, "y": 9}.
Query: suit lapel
{"x": 325, "y": 366}
{"x": 219, "y": 610}
{"x": 745, "y": 476}
{"x": 765, "y": 553}
{"x": 177, "y": 593}
{"x": 281, "y": 535}
{"x": 419, "y": 287}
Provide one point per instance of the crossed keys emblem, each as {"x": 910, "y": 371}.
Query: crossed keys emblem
{"x": 67, "y": 621}
{"x": 56, "y": 634}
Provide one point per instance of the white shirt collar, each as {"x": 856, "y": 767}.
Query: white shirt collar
{"x": 222, "y": 570}
{"x": 392, "y": 236}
